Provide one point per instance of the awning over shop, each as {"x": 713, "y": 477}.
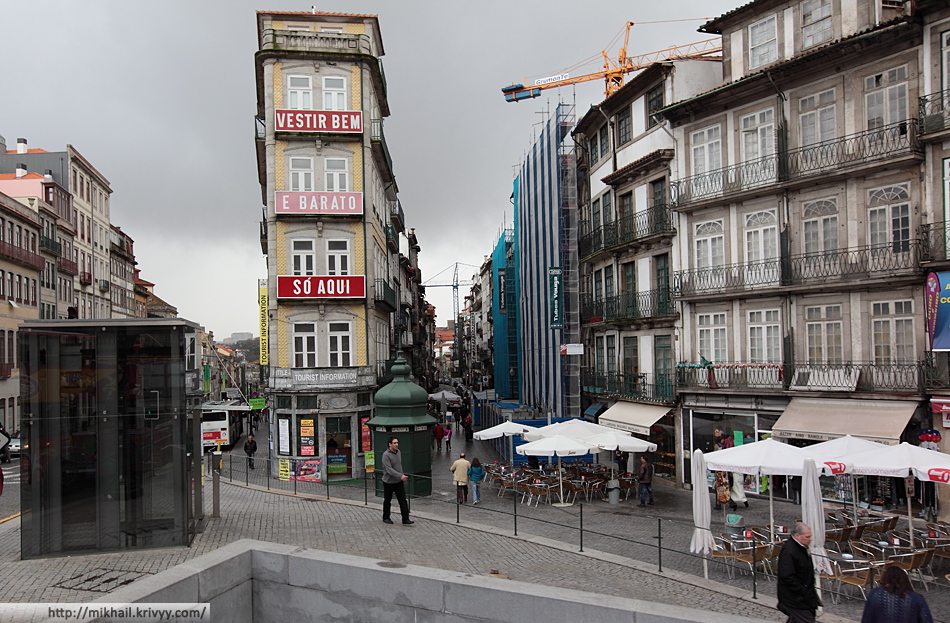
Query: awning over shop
{"x": 632, "y": 416}
{"x": 820, "y": 419}
{"x": 594, "y": 409}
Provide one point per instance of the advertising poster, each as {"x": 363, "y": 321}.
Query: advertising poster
{"x": 283, "y": 436}
{"x": 937, "y": 310}
{"x": 262, "y": 309}
{"x": 308, "y": 470}
{"x": 336, "y": 464}
{"x": 554, "y": 275}
{"x": 370, "y": 459}
{"x": 307, "y": 437}
{"x": 366, "y": 435}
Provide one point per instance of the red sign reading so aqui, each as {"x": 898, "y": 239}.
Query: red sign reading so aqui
{"x": 321, "y": 287}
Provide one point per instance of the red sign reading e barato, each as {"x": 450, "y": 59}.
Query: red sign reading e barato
{"x": 287, "y": 202}
{"x": 318, "y": 121}
{"x": 322, "y": 287}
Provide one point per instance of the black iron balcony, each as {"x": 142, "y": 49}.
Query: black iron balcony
{"x": 890, "y": 141}
{"x": 384, "y": 295}
{"x": 934, "y": 112}
{"x": 848, "y": 377}
{"x": 85, "y": 278}
{"x": 392, "y": 239}
{"x": 935, "y": 241}
{"x": 654, "y": 388}
{"x": 590, "y": 243}
{"x": 378, "y": 140}
{"x": 841, "y": 266}
{"x": 6, "y": 370}
{"x": 396, "y": 216}
{"x": 51, "y": 245}
{"x": 631, "y": 306}
{"x": 639, "y": 227}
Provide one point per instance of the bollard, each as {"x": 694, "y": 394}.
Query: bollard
{"x": 216, "y": 464}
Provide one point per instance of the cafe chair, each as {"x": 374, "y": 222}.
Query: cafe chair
{"x": 867, "y": 550}
{"x": 838, "y": 536}
{"x": 832, "y": 580}
{"x": 537, "y": 492}
{"x": 723, "y": 554}
{"x": 753, "y": 556}
{"x": 862, "y": 577}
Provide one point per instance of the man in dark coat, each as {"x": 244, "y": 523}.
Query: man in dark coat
{"x": 797, "y": 597}
{"x": 250, "y": 449}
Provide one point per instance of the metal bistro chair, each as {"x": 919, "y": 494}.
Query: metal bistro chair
{"x": 752, "y": 556}
{"x": 862, "y": 577}
{"x": 838, "y": 536}
{"x": 722, "y": 553}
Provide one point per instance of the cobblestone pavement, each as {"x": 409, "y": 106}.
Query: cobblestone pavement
{"x": 545, "y": 551}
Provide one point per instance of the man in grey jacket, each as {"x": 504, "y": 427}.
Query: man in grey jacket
{"x": 393, "y": 482}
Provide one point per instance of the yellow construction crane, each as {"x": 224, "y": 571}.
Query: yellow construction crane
{"x": 614, "y": 72}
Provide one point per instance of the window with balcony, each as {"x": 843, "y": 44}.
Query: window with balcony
{"x": 706, "y": 150}
{"x": 595, "y": 214}
{"x": 820, "y": 226}
{"x": 340, "y": 344}
{"x": 608, "y": 281}
{"x": 337, "y": 174}
{"x": 598, "y": 285}
{"x": 889, "y": 218}
{"x": 303, "y": 257}
{"x": 823, "y": 334}
{"x": 305, "y": 345}
{"x": 301, "y": 174}
{"x": 886, "y": 97}
{"x": 606, "y": 208}
{"x": 623, "y": 126}
{"x": 763, "y": 42}
{"x": 654, "y": 104}
{"x": 765, "y": 337}
{"x": 611, "y": 345}
{"x": 758, "y": 135}
{"x": 334, "y": 93}
{"x": 816, "y": 22}
{"x": 761, "y": 247}
{"x": 631, "y": 357}
{"x": 712, "y": 337}
{"x": 338, "y": 257}
{"x": 604, "y": 141}
{"x": 892, "y": 332}
{"x": 817, "y": 117}
{"x": 599, "y": 361}
{"x": 625, "y": 206}
{"x": 299, "y": 93}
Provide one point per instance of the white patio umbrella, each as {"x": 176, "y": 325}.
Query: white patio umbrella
{"x": 619, "y": 440}
{"x": 838, "y": 450}
{"x": 764, "y": 458}
{"x": 506, "y": 428}
{"x": 702, "y": 541}
{"x": 577, "y": 429}
{"x": 445, "y": 395}
{"x": 559, "y": 446}
{"x": 813, "y": 515}
{"x": 902, "y": 461}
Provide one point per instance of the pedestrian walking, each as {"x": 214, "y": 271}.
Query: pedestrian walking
{"x": 797, "y": 598}
{"x": 438, "y": 433}
{"x": 460, "y": 469}
{"x": 250, "y": 449}
{"x": 448, "y": 438}
{"x": 394, "y": 482}
{"x": 476, "y": 474}
{"x": 737, "y": 491}
{"x": 894, "y": 600}
{"x": 645, "y": 478}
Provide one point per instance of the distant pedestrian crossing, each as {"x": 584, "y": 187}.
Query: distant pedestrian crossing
{"x": 11, "y": 475}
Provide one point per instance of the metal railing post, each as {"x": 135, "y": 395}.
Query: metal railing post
{"x": 514, "y": 501}
{"x": 581, "y": 506}
{"x": 365, "y": 488}
{"x": 458, "y": 509}
{"x": 247, "y": 473}
{"x": 268, "y": 473}
{"x": 659, "y": 544}
{"x": 754, "y": 582}
{"x": 327, "y": 481}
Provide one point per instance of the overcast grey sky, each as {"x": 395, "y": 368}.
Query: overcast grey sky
{"x": 160, "y": 97}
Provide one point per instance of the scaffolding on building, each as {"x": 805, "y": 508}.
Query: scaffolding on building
{"x": 571, "y": 330}
{"x": 511, "y": 310}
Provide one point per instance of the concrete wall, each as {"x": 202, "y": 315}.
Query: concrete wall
{"x": 256, "y": 582}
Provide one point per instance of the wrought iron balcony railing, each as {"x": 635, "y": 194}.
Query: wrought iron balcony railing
{"x": 896, "y": 139}
{"x": 843, "y": 265}
{"x": 628, "y": 306}
{"x": 51, "y": 245}
{"x": 85, "y": 278}
{"x": 392, "y": 238}
{"x": 935, "y": 241}
{"x": 67, "y": 266}
{"x": 644, "y": 225}
{"x": 396, "y": 215}
{"x": 378, "y": 138}
{"x": 934, "y": 112}
{"x": 384, "y": 294}
{"x": 27, "y": 258}
{"x": 824, "y": 377}
{"x": 654, "y": 388}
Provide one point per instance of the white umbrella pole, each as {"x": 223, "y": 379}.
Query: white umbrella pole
{"x": 771, "y": 509}
{"x": 560, "y": 480}
{"x": 910, "y": 516}
{"x": 705, "y": 568}
{"x": 854, "y": 498}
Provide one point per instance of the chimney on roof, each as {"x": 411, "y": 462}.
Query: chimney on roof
{"x": 21, "y": 146}
{"x": 48, "y": 175}
{"x": 20, "y": 170}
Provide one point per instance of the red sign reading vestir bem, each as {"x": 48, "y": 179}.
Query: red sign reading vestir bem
{"x": 322, "y": 287}
{"x": 318, "y": 203}
{"x": 318, "y": 121}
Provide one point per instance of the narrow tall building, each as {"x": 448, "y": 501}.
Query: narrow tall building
{"x": 331, "y": 229}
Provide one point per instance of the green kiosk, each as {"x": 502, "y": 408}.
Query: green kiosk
{"x": 401, "y": 412}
